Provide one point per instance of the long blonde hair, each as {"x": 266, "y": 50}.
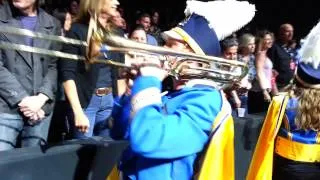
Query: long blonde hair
{"x": 88, "y": 8}
{"x": 308, "y": 112}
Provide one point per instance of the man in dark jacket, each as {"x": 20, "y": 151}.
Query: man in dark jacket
{"x": 28, "y": 81}
{"x": 281, "y": 56}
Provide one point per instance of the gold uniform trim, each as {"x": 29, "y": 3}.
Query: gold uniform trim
{"x": 297, "y": 151}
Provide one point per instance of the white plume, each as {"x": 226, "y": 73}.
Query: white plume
{"x": 310, "y": 50}
{"x": 225, "y": 17}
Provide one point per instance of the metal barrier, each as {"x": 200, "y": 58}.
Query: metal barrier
{"x": 246, "y": 135}
{"x": 92, "y": 159}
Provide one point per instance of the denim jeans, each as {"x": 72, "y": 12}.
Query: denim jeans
{"x": 13, "y": 125}
{"x": 98, "y": 112}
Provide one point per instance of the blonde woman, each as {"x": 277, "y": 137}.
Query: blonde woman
{"x": 259, "y": 95}
{"x": 89, "y": 91}
{"x": 246, "y": 51}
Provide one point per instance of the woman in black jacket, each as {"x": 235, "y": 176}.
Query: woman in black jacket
{"x": 89, "y": 87}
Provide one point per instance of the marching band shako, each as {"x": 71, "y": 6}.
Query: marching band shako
{"x": 207, "y": 23}
{"x": 308, "y": 74}
{"x": 205, "y": 42}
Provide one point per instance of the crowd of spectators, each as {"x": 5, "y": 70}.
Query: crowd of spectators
{"x": 271, "y": 61}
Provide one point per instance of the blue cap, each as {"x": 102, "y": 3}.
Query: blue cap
{"x": 195, "y": 31}
{"x": 308, "y": 76}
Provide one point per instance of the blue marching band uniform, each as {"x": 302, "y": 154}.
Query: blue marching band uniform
{"x": 289, "y": 148}
{"x": 290, "y": 132}
{"x": 166, "y": 133}
{"x": 169, "y": 133}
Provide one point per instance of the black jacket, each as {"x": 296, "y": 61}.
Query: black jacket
{"x": 85, "y": 79}
{"x": 281, "y": 60}
{"x": 24, "y": 74}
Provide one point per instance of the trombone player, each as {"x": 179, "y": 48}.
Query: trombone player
{"x": 167, "y": 133}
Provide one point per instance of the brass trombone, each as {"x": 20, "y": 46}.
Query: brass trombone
{"x": 213, "y": 68}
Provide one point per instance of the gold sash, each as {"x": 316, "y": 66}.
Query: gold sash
{"x": 262, "y": 160}
{"x": 218, "y": 160}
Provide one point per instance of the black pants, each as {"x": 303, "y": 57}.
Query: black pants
{"x": 285, "y": 169}
{"x": 256, "y": 102}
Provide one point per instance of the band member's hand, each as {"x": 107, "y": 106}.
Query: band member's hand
{"x": 153, "y": 71}
{"x": 131, "y": 73}
{"x": 152, "y": 67}
{"x": 134, "y": 61}
{"x": 144, "y": 67}
{"x": 82, "y": 122}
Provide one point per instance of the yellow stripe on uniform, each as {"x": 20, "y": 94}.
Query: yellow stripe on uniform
{"x": 218, "y": 160}
{"x": 297, "y": 151}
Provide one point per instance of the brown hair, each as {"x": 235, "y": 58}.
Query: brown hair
{"x": 260, "y": 37}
